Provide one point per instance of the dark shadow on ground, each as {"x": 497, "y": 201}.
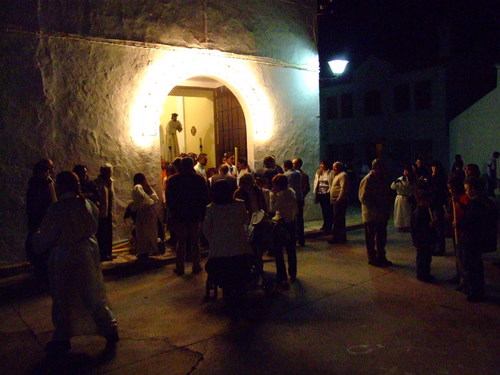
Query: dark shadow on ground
{"x": 73, "y": 363}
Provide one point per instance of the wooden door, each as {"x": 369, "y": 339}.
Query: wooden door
{"x": 231, "y": 130}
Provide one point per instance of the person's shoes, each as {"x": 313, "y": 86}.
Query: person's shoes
{"x": 178, "y": 272}
{"x": 475, "y": 299}
{"x": 375, "y": 263}
{"x": 293, "y": 279}
{"x": 57, "y": 347}
{"x": 142, "y": 256}
{"x": 427, "y": 279}
{"x": 197, "y": 270}
{"x": 385, "y": 262}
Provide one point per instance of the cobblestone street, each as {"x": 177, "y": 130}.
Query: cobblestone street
{"x": 342, "y": 316}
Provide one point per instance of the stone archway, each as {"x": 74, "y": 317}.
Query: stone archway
{"x": 213, "y": 120}
{"x": 241, "y": 77}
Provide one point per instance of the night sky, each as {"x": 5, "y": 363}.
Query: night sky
{"x": 406, "y": 32}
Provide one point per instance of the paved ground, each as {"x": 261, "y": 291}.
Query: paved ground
{"x": 341, "y": 317}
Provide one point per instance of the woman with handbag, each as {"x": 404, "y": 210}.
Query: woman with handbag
{"x": 256, "y": 206}
{"x": 321, "y": 188}
{"x": 284, "y": 204}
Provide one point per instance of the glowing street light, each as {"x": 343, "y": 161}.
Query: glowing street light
{"x": 338, "y": 66}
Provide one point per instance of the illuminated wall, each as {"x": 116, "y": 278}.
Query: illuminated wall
{"x": 94, "y": 93}
{"x": 475, "y": 133}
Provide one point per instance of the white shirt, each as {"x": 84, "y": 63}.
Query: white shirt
{"x": 224, "y": 228}
{"x": 200, "y": 169}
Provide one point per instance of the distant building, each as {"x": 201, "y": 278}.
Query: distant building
{"x": 414, "y": 66}
{"x": 475, "y": 133}
{"x": 381, "y": 112}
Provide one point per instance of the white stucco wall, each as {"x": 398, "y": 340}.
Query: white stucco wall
{"x": 101, "y": 98}
{"x": 83, "y": 82}
{"x": 475, "y": 133}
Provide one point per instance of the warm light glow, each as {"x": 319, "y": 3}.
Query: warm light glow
{"x": 169, "y": 68}
{"x": 338, "y": 66}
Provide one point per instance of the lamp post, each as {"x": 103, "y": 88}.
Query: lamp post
{"x": 338, "y": 66}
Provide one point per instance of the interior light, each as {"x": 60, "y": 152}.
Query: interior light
{"x": 169, "y": 68}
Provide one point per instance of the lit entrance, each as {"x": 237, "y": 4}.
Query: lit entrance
{"x": 212, "y": 120}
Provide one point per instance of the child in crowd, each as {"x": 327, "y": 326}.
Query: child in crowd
{"x": 423, "y": 234}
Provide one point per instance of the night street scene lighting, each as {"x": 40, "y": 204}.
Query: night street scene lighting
{"x": 338, "y": 66}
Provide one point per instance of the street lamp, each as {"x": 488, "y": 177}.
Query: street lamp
{"x": 338, "y": 66}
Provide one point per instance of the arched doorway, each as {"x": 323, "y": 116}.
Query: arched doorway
{"x": 212, "y": 118}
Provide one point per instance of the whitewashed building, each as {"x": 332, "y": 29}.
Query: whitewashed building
{"x": 92, "y": 82}
{"x": 475, "y": 133}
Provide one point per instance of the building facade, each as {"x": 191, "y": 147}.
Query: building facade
{"x": 93, "y": 82}
{"x": 475, "y": 133}
{"x": 379, "y": 112}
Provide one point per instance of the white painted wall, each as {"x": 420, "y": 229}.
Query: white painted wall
{"x": 104, "y": 104}
{"x": 88, "y": 86}
{"x": 475, "y": 133}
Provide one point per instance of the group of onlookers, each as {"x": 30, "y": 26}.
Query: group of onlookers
{"x": 429, "y": 203}
{"x": 62, "y": 246}
{"x": 239, "y": 213}
{"x": 270, "y": 192}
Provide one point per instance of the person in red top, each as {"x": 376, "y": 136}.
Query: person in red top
{"x": 456, "y": 204}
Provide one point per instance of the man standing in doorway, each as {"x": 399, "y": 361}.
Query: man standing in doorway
{"x": 306, "y": 188}
{"x": 339, "y": 197}
{"x": 228, "y": 159}
{"x": 187, "y": 196}
{"x": 173, "y": 127}
{"x": 376, "y": 203}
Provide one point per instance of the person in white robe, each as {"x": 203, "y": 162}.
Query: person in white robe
{"x": 405, "y": 187}
{"x": 67, "y": 233}
{"x": 172, "y": 142}
{"x": 146, "y": 204}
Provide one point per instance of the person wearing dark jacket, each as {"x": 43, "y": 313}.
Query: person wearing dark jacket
{"x": 40, "y": 195}
{"x": 478, "y": 227}
{"x": 439, "y": 187}
{"x": 423, "y": 235}
{"x": 186, "y": 198}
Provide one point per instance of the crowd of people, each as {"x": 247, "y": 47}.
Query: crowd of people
{"x": 63, "y": 248}
{"x": 429, "y": 203}
{"x": 239, "y": 213}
